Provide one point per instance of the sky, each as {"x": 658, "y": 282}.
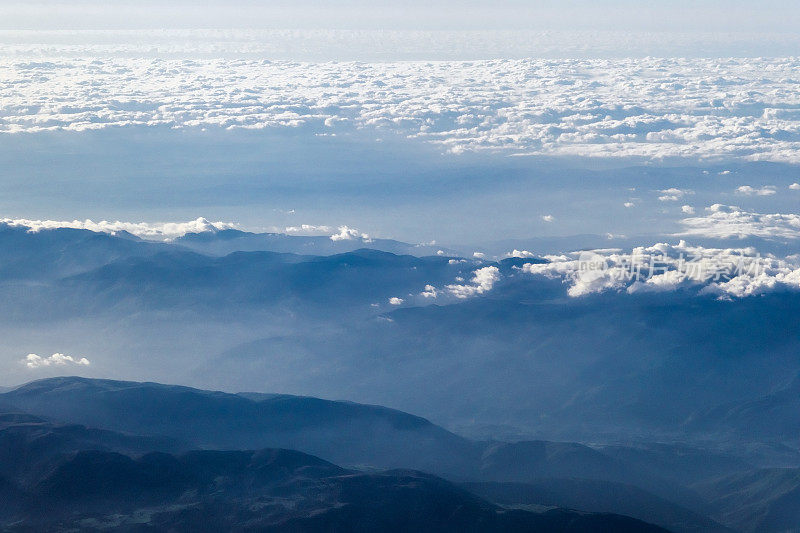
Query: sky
{"x": 629, "y": 15}
{"x": 462, "y": 123}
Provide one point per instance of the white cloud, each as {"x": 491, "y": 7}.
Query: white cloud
{"x": 166, "y": 231}
{"x": 548, "y": 218}
{"x": 384, "y": 44}
{"x": 724, "y": 222}
{"x": 347, "y": 234}
{"x": 747, "y": 190}
{"x": 396, "y": 301}
{"x": 478, "y": 255}
{"x": 689, "y": 210}
{"x": 482, "y": 281}
{"x": 795, "y": 186}
{"x": 429, "y": 292}
{"x": 649, "y": 108}
{"x": 673, "y": 194}
{"x": 725, "y": 272}
{"x": 57, "y": 359}
{"x": 521, "y": 254}
{"x": 145, "y": 230}
{"x": 629, "y": 204}
{"x": 309, "y": 229}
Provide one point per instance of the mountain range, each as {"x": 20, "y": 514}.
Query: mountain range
{"x": 61, "y": 477}
{"x": 151, "y": 433}
{"x": 677, "y": 401}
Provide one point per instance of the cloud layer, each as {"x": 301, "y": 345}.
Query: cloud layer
{"x": 723, "y": 222}
{"x": 384, "y": 44}
{"x": 154, "y": 231}
{"x": 34, "y": 361}
{"x": 726, "y": 273}
{"x": 641, "y": 108}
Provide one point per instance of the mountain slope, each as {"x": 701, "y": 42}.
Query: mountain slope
{"x": 225, "y": 242}
{"x": 770, "y": 417}
{"x": 53, "y": 253}
{"x": 597, "y": 496}
{"x": 756, "y": 501}
{"x": 271, "y": 490}
{"x": 338, "y": 431}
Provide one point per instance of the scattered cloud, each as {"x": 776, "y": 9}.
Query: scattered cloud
{"x": 342, "y": 233}
{"x": 629, "y": 204}
{"x": 548, "y": 218}
{"x": 795, "y": 186}
{"x": 482, "y": 281}
{"x": 57, "y": 359}
{"x": 396, "y": 301}
{"x": 747, "y": 190}
{"x": 689, "y": 210}
{"x": 723, "y": 222}
{"x": 429, "y": 292}
{"x": 521, "y": 254}
{"x": 673, "y": 194}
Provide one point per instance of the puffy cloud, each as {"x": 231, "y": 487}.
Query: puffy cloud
{"x": 160, "y": 231}
{"x": 747, "y": 190}
{"x": 629, "y": 204}
{"x": 689, "y": 210}
{"x": 647, "y": 108}
{"x": 57, "y": 359}
{"x": 429, "y": 292}
{"x": 723, "y": 222}
{"x": 482, "y": 281}
{"x": 396, "y": 301}
{"x": 521, "y": 254}
{"x": 478, "y": 255}
{"x": 347, "y": 234}
{"x": 673, "y": 194}
{"x": 342, "y": 233}
{"x": 795, "y": 186}
{"x": 548, "y": 218}
{"x": 725, "y": 272}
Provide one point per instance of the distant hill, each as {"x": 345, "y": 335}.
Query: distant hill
{"x": 773, "y": 416}
{"x": 756, "y": 501}
{"x": 598, "y": 496}
{"x": 68, "y": 477}
{"x": 354, "y": 435}
{"x": 341, "y": 432}
{"x": 268, "y": 490}
{"x": 57, "y": 253}
{"x": 227, "y": 241}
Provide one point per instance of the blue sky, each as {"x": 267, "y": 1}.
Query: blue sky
{"x": 561, "y": 126}
{"x": 680, "y": 16}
